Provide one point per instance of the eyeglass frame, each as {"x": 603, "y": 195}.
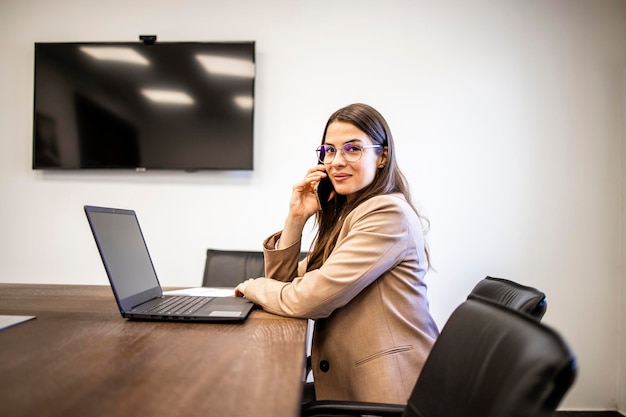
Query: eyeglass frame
{"x": 318, "y": 150}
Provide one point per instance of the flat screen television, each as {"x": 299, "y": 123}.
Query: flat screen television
{"x": 135, "y": 105}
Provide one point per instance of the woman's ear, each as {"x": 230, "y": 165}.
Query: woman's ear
{"x": 383, "y": 158}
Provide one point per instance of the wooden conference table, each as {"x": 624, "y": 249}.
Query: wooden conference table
{"x": 80, "y": 358}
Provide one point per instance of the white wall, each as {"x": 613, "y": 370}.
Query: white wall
{"x": 507, "y": 116}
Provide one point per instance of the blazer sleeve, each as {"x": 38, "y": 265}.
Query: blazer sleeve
{"x": 375, "y": 238}
{"x": 282, "y": 264}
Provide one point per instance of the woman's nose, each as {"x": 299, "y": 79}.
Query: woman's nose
{"x": 339, "y": 159}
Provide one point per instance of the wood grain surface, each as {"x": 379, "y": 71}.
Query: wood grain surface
{"x": 79, "y": 357}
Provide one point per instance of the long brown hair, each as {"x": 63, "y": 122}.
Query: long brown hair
{"x": 389, "y": 179}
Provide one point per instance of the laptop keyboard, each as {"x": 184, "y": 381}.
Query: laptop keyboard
{"x": 180, "y": 305}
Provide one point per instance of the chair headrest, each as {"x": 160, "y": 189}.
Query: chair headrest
{"x": 511, "y": 294}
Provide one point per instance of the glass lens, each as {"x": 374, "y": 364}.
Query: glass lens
{"x": 325, "y": 154}
{"x": 351, "y": 152}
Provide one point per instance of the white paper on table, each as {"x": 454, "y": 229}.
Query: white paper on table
{"x": 8, "y": 321}
{"x": 204, "y": 291}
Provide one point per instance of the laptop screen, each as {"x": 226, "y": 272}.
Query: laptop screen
{"x": 124, "y": 253}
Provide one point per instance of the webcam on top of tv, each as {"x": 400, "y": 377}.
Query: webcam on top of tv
{"x": 148, "y": 39}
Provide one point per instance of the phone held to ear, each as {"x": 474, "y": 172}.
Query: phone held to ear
{"x": 324, "y": 190}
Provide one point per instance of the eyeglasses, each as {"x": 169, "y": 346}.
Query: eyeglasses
{"x": 350, "y": 152}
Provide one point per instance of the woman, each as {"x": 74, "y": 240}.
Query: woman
{"x": 363, "y": 280}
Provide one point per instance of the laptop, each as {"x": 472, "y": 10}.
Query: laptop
{"x": 134, "y": 281}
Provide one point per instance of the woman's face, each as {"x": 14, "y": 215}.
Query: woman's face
{"x": 350, "y": 177}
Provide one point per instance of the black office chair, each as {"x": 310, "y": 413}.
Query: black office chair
{"x": 227, "y": 268}
{"x": 511, "y": 294}
{"x": 489, "y": 361}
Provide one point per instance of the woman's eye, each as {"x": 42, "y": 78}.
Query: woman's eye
{"x": 351, "y": 148}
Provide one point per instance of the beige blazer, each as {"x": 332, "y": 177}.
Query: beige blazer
{"x": 373, "y": 329}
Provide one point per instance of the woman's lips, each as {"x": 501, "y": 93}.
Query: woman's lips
{"x": 341, "y": 177}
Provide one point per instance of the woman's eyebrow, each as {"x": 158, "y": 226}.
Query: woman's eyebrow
{"x": 348, "y": 141}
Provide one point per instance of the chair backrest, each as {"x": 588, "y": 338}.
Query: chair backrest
{"x": 492, "y": 361}
{"x": 227, "y": 268}
{"x": 511, "y": 294}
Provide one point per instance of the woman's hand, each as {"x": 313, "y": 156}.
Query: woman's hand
{"x": 304, "y": 202}
{"x": 241, "y": 289}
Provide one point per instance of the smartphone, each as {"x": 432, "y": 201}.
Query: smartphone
{"x": 324, "y": 189}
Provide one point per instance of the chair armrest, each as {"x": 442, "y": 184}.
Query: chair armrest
{"x": 328, "y": 408}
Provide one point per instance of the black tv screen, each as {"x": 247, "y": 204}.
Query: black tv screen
{"x": 131, "y": 105}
